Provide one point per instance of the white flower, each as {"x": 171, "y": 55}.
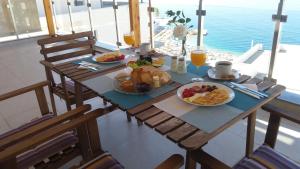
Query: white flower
{"x": 180, "y": 31}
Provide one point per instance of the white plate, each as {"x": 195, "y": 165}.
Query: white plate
{"x": 212, "y": 74}
{"x": 219, "y": 86}
{"x": 94, "y": 59}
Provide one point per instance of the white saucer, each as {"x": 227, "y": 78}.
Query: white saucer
{"x": 212, "y": 74}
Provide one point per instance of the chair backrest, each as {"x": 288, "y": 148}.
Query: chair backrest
{"x": 67, "y": 46}
{"x": 40, "y": 95}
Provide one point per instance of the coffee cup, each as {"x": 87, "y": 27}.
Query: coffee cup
{"x": 223, "y": 68}
{"x": 145, "y": 48}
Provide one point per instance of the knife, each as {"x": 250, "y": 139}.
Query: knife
{"x": 248, "y": 93}
{"x": 250, "y": 90}
{"x": 85, "y": 63}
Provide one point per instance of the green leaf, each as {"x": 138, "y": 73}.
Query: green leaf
{"x": 170, "y": 13}
{"x": 187, "y": 20}
{"x": 191, "y": 26}
{"x": 174, "y": 19}
{"x": 181, "y": 20}
{"x": 182, "y": 14}
{"x": 178, "y": 13}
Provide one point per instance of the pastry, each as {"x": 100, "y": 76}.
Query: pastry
{"x": 127, "y": 86}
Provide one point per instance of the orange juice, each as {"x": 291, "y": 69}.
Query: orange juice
{"x": 198, "y": 57}
{"x": 129, "y": 39}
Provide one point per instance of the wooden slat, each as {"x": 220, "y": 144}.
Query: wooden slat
{"x": 73, "y": 70}
{"x": 23, "y": 90}
{"x": 64, "y": 38}
{"x": 275, "y": 90}
{"x": 70, "y": 55}
{"x": 158, "y": 119}
{"x": 181, "y": 132}
{"x": 194, "y": 141}
{"x": 169, "y": 125}
{"x": 148, "y": 113}
{"x": 79, "y": 72}
{"x": 67, "y": 68}
{"x": 242, "y": 79}
{"x": 59, "y": 48}
{"x": 63, "y": 65}
{"x": 265, "y": 85}
{"x": 253, "y": 81}
{"x": 284, "y": 109}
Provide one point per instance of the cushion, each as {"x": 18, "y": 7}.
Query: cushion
{"x": 270, "y": 156}
{"x": 47, "y": 149}
{"x": 27, "y": 125}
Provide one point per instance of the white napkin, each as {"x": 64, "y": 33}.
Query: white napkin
{"x": 173, "y": 105}
{"x": 251, "y": 86}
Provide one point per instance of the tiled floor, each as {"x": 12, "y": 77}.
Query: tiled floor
{"x": 134, "y": 146}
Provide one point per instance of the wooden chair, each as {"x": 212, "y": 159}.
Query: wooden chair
{"x": 61, "y": 49}
{"x": 62, "y": 144}
{"x": 36, "y": 137}
{"x": 265, "y": 157}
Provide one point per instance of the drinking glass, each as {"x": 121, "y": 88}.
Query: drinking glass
{"x": 198, "y": 58}
{"x": 129, "y": 38}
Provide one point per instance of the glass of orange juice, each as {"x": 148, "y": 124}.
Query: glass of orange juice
{"x": 198, "y": 58}
{"x": 129, "y": 38}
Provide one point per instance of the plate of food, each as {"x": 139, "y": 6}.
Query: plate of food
{"x": 205, "y": 94}
{"x": 156, "y": 62}
{"x": 140, "y": 80}
{"x": 111, "y": 57}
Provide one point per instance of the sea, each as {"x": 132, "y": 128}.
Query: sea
{"x": 234, "y": 29}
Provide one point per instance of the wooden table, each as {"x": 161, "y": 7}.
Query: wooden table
{"x": 185, "y": 135}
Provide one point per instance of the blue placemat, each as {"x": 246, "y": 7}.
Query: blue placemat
{"x": 201, "y": 71}
{"x": 127, "y": 101}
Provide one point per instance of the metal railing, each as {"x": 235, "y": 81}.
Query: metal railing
{"x": 89, "y": 9}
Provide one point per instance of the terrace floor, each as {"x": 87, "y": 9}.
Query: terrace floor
{"x": 134, "y": 146}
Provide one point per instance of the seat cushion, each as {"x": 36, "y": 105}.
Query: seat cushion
{"x": 47, "y": 149}
{"x": 104, "y": 161}
{"x": 270, "y": 156}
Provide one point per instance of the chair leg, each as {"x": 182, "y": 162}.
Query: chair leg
{"x": 189, "y": 162}
{"x": 52, "y": 100}
{"x": 128, "y": 117}
{"x": 272, "y": 131}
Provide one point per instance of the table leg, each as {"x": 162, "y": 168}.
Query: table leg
{"x": 250, "y": 133}
{"x": 189, "y": 162}
{"x": 88, "y": 134}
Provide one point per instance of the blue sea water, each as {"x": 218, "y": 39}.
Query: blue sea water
{"x": 232, "y": 29}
